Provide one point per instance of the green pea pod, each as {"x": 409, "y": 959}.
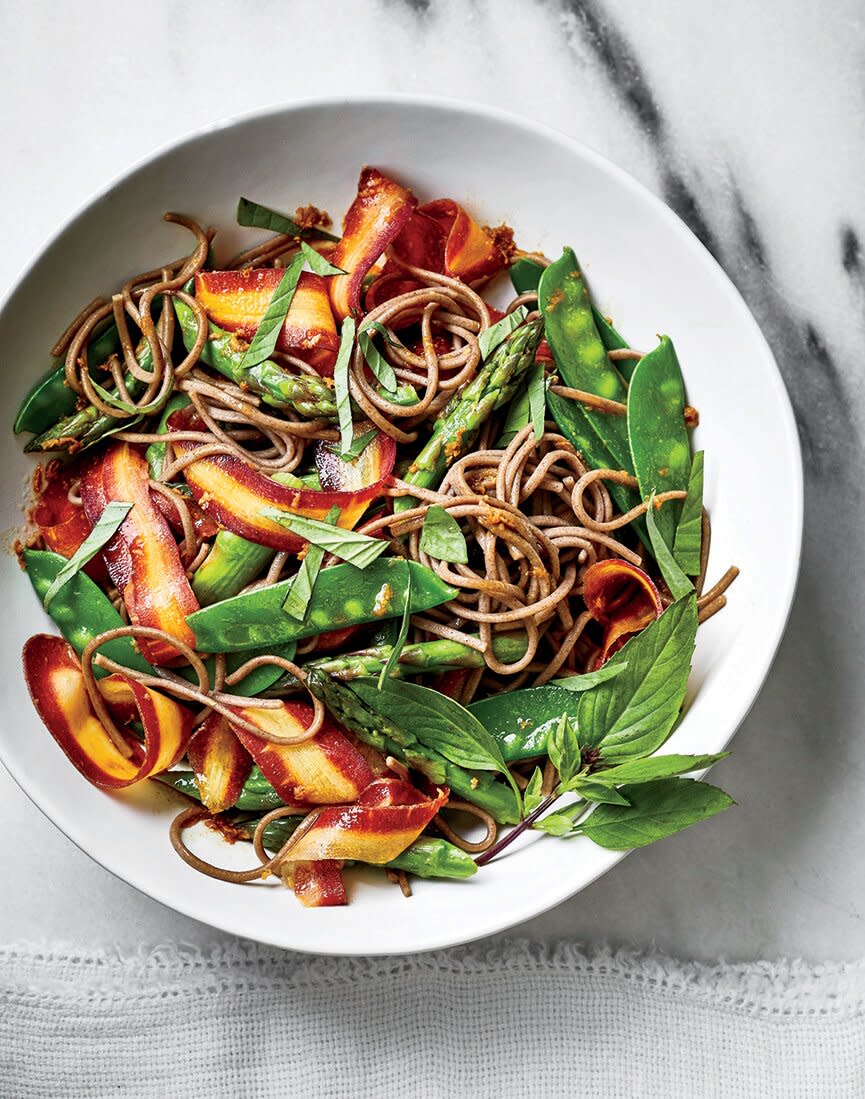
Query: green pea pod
{"x": 427, "y": 857}
{"x": 526, "y": 276}
{"x": 658, "y": 434}
{"x": 261, "y": 679}
{"x": 156, "y": 451}
{"x": 343, "y": 596}
{"x": 613, "y": 341}
{"x": 232, "y": 563}
{"x": 580, "y": 356}
{"x": 81, "y": 610}
{"x": 256, "y": 796}
{"x": 522, "y": 720}
{"x": 582, "y": 362}
{"x": 689, "y": 533}
{"x": 51, "y": 398}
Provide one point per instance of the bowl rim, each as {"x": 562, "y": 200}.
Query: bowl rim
{"x": 789, "y": 429}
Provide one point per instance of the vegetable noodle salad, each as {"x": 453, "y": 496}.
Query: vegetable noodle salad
{"x": 367, "y": 569}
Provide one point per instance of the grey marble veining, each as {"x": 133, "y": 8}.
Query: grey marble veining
{"x": 747, "y": 120}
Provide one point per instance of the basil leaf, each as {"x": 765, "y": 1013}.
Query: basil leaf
{"x": 596, "y": 792}
{"x": 377, "y": 363}
{"x": 517, "y": 417}
{"x": 588, "y": 680}
{"x": 267, "y": 333}
{"x": 256, "y": 216}
{"x": 657, "y": 810}
{"x": 348, "y": 545}
{"x": 563, "y": 748}
{"x": 317, "y": 263}
{"x": 564, "y": 821}
{"x": 675, "y": 579}
{"x": 537, "y": 390}
{"x": 111, "y": 398}
{"x": 491, "y": 337}
{"x": 442, "y": 538}
{"x": 532, "y": 795}
{"x": 300, "y": 589}
{"x": 126, "y": 406}
{"x": 357, "y": 447}
{"x": 633, "y": 714}
{"x": 399, "y": 644}
{"x": 103, "y": 531}
{"x": 646, "y": 770}
{"x": 379, "y": 329}
{"x": 437, "y": 722}
{"x": 689, "y": 533}
{"x": 340, "y": 385}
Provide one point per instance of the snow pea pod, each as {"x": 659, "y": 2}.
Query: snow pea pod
{"x": 657, "y": 431}
{"x": 582, "y": 362}
{"x": 233, "y": 562}
{"x": 343, "y": 596}
{"x": 580, "y": 356}
{"x": 521, "y": 721}
{"x": 51, "y": 398}
{"x": 526, "y": 276}
{"x": 613, "y": 341}
{"x": 81, "y": 610}
{"x": 256, "y": 796}
{"x": 427, "y": 857}
{"x": 261, "y": 679}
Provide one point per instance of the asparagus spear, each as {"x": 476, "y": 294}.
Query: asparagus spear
{"x": 87, "y": 426}
{"x": 427, "y": 657}
{"x": 309, "y": 396}
{"x": 457, "y": 428}
{"x": 478, "y": 787}
{"x": 428, "y": 857}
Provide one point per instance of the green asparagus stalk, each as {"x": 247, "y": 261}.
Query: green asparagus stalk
{"x": 478, "y": 787}
{"x": 232, "y": 563}
{"x": 307, "y": 395}
{"x": 424, "y": 658}
{"x": 457, "y": 428}
{"x": 84, "y": 428}
{"x": 427, "y": 857}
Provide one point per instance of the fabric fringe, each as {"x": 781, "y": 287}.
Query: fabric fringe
{"x": 789, "y": 987}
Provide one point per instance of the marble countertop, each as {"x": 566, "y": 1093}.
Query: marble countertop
{"x": 746, "y": 119}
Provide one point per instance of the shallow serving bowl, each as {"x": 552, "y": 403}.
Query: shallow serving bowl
{"x": 645, "y": 269}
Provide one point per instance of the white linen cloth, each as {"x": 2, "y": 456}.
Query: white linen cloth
{"x": 516, "y": 1019}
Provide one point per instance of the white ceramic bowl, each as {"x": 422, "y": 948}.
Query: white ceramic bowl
{"x": 645, "y": 268}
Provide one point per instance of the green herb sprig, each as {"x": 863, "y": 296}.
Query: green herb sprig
{"x": 603, "y": 750}
{"x": 104, "y": 529}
